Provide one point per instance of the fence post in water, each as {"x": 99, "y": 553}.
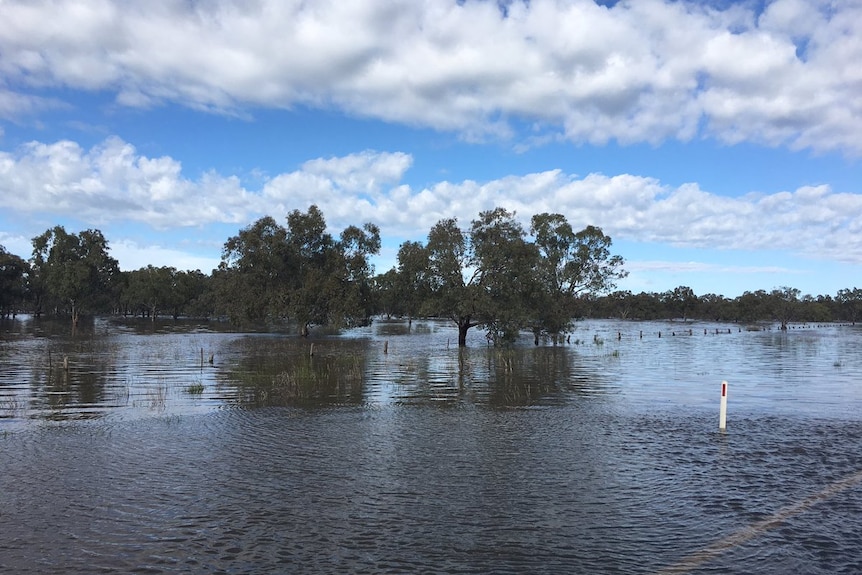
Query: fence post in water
{"x": 722, "y": 411}
{"x": 386, "y": 347}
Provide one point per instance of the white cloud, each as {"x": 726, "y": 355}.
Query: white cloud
{"x": 17, "y": 244}
{"x": 639, "y": 71}
{"x": 133, "y": 256}
{"x": 113, "y": 183}
{"x": 703, "y": 267}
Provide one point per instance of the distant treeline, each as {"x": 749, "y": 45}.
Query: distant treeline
{"x": 494, "y": 274}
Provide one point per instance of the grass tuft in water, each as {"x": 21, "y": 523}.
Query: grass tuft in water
{"x": 319, "y": 378}
{"x": 195, "y": 389}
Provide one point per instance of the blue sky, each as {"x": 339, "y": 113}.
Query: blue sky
{"x": 719, "y": 144}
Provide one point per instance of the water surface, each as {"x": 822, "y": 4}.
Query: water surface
{"x": 389, "y": 450}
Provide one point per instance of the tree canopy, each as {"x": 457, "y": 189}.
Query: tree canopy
{"x": 299, "y": 273}
{"x": 13, "y": 282}
{"x": 492, "y": 273}
{"x": 73, "y": 272}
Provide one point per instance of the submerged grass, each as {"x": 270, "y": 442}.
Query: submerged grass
{"x": 195, "y": 388}
{"x": 295, "y": 372}
{"x": 318, "y": 378}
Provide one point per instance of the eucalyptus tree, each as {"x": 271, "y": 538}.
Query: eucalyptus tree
{"x": 494, "y": 276}
{"x": 13, "y": 282}
{"x": 165, "y": 290}
{"x": 715, "y": 307}
{"x": 299, "y": 272}
{"x": 253, "y": 273}
{"x": 850, "y": 302}
{"x": 74, "y": 271}
{"x": 785, "y": 304}
{"x": 192, "y": 294}
{"x": 618, "y": 304}
{"x": 312, "y": 283}
{"x": 753, "y": 306}
{"x": 355, "y": 246}
{"x": 386, "y": 300}
{"x": 816, "y": 309}
{"x": 149, "y": 290}
{"x": 413, "y": 278}
{"x": 570, "y": 264}
{"x": 453, "y": 277}
{"x": 509, "y": 294}
{"x": 330, "y": 281}
{"x": 680, "y": 302}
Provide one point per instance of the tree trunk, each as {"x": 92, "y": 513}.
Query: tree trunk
{"x": 462, "y": 334}
{"x": 463, "y": 325}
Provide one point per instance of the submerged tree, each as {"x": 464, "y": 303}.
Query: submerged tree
{"x": 301, "y": 272}
{"x": 570, "y": 264}
{"x": 74, "y": 271}
{"x": 165, "y": 291}
{"x": 493, "y": 276}
{"x": 850, "y": 302}
{"x": 13, "y": 282}
{"x": 453, "y": 277}
{"x": 412, "y": 282}
{"x": 681, "y": 302}
{"x": 148, "y": 290}
{"x": 253, "y": 274}
{"x": 509, "y": 287}
{"x": 785, "y": 304}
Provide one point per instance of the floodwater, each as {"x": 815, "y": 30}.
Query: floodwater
{"x": 389, "y": 450}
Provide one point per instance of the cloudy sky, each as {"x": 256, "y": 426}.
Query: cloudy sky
{"x": 718, "y": 143}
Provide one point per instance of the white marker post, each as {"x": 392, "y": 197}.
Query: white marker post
{"x": 722, "y": 412}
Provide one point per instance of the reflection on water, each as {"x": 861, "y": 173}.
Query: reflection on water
{"x": 390, "y": 450}
{"x": 132, "y": 369}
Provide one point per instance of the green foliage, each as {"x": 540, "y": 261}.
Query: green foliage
{"x": 681, "y": 301}
{"x": 195, "y": 389}
{"x": 13, "y": 282}
{"x": 152, "y": 291}
{"x": 453, "y": 277}
{"x": 508, "y": 280}
{"x": 494, "y": 276}
{"x": 253, "y": 273}
{"x": 73, "y": 273}
{"x": 570, "y": 264}
{"x": 783, "y": 305}
{"x": 412, "y": 280}
{"x": 300, "y": 273}
{"x": 850, "y": 302}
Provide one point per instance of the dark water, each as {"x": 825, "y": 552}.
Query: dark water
{"x": 599, "y": 456}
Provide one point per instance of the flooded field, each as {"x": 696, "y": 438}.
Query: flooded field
{"x": 170, "y": 447}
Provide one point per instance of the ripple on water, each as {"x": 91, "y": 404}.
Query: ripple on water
{"x": 575, "y": 488}
{"x": 595, "y": 459}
